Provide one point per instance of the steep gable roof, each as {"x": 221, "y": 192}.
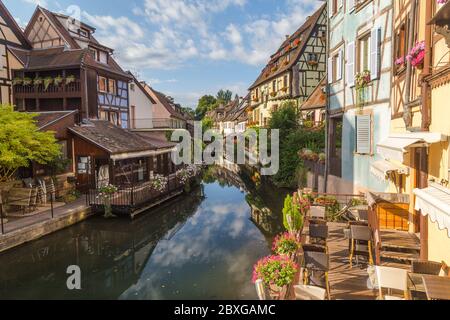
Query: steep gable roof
{"x": 317, "y": 99}
{"x": 167, "y": 104}
{"x": 16, "y": 30}
{"x": 306, "y": 30}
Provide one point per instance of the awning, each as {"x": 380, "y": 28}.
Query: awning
{"x": 382, "y": 169}
{"x": 442, "y": 17}
{"x": 434, "y": 202}
{"x": 394, "y": 147}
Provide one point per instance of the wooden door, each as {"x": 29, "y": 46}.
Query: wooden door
{"x": 393, "y": 216}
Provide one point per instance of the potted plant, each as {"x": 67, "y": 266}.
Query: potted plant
{"x": 294, "y": 211}
{"x": 276, "y": 272}
{"x": 159, "y": 183}
{"x": 286, "y": 244}
{"x": 105, "y": 194}
{"x": 38, "y": 81}
{"x": 322, "y": 158}
{"x": 27, "y": 81}
{"x": 47, "y": 82}
{"x": 70, "y": 79}
{"x": 362, "y": 81}
{"x": 58, "y": 80}
{"x": 17, "y": 81}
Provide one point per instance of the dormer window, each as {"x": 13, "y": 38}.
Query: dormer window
{"x": 94, "y": 54}
{"x": 83, "y": 33}
{"x": 103, "y": 57}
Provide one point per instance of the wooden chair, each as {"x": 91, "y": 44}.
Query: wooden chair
{"x": 305, "y": 293}
{"x": 392, "y": 279}
{"x": 20, "y": 197}
{"x": 361, "y": 243}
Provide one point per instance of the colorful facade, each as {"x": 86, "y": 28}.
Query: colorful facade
{"x": 359, "y": 87}
{"x": 293, "y": 72}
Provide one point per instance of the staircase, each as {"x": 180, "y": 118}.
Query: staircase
{"x": 399, "y": 246}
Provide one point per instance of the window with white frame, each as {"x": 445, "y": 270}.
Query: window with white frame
{"x": 335, "y": 67}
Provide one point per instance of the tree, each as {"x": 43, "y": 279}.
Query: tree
{"x": 285, "y": 119}
{"x": 21, "y": 142}
{"x": 205, "y": 104}
{"x": 224, "y": 96}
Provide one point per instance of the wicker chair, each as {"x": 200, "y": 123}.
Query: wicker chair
{"x": 318, "y": 234}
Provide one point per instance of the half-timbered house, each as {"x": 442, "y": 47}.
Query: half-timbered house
{"x": 11, "y": 36}
{"x": 68, "y": 69}
{"x": 294, "y": 71}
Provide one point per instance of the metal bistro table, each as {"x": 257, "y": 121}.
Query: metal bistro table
{"x": 437, "y": 288}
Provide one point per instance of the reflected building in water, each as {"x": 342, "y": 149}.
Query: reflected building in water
{"x": 112, "y": 255}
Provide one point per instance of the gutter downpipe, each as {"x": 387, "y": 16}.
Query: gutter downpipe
{"x": 327, "y": 131}
{"x": 407, "y": 116}
{"x": 426, "y": 121}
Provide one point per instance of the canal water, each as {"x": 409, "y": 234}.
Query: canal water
{"x": 201, "y": 246}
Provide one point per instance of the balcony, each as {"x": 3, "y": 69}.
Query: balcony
{"x": 71, "y": 90}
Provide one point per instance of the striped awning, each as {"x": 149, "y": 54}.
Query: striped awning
{"x": 382, "y": 169}
{"x": 434, "y": 202}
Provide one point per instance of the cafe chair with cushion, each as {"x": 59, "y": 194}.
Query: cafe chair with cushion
{"x": 392, "y": 279}
{"x": 306, "y": 293}
{"x": 316, "y": 266}
{"x": 314, "y": 248}
{"x": 426, "y": 267}
{"x": 360, "y": 243}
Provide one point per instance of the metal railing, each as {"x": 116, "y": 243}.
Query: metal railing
{"x": 73, "y": 87}
{"x": 28, "y": 207}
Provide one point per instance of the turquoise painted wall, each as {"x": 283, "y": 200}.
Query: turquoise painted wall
{"x": 346, "y": 27}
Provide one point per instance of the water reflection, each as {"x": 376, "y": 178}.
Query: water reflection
{"x": 203, "y": 246}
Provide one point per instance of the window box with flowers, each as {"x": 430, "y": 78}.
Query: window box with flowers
{"x": 400, "y": 64}
{"x": 417, "y": 55}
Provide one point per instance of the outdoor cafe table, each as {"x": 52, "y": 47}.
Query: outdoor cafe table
{"x": 437, "y": 288}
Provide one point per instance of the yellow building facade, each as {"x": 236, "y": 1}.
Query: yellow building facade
{"x": 417, "y": 151}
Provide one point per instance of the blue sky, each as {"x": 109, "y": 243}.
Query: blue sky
{"x": 186, "y": 48}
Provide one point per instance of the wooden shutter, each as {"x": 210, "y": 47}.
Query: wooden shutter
{"x": 350, "y": 69}
{"x": 330, "y": 70}
{"x": 339, "y": 66}
{"x": 351, "y": 5}
{"x": 363, "y": 134}
{"x": 375, "y": 53}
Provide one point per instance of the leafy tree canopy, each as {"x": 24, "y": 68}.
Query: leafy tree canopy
{"x": 21, "y": 142}
{"x": 224, "y": 96}
{"x": 205, "y": 104}
{"x": 285, "y": 119}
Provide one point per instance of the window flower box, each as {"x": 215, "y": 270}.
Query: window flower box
{"x": 417, "y": 55}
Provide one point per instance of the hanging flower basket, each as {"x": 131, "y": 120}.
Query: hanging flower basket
{"x": 58, "y": 80}
{"x": 400, "y": 61}
{"x": 362, "y": 79}
{"x": 70, "y": 79}
{"x": 27, "y": 81}
{"x": 17, "y": 81}
{"x": 47, "y": 82}
{"x": 38, "y": 81}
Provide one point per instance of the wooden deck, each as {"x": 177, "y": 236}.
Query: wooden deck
{"x": 346, "y": 283}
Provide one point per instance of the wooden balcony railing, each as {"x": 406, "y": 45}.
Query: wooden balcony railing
{"x": 71, "y": 89}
